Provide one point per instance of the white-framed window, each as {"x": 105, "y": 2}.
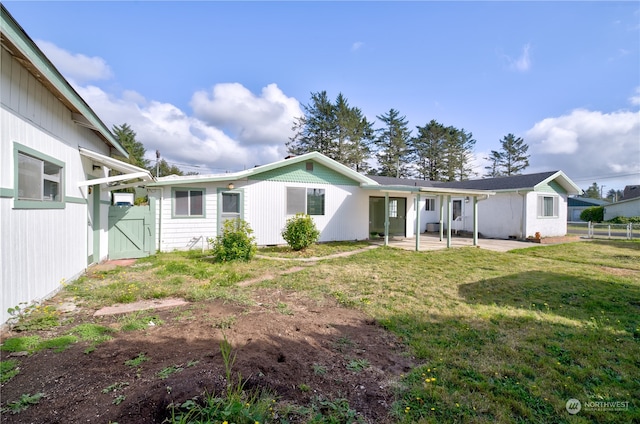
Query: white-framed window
{"x": 305, "y": 200}
{"x": 430, "y": 204}
{"x": 393, "y": 208}
{"x": 548, "y": 206}
{"x": 188, "y": 202}
{"x": 39, "y": 179}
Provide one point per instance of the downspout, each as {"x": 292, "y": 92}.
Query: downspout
{"x": 160, "y": 219}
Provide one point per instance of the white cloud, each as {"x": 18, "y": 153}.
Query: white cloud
{"x": 184, "y": 139}
{"x": 587, "y": 144}
{"x": 635, "y": 99}
{"x": 254, "y": 120}
{"x": 76, "y": 67}
{"x": 357, "y": 46}
{"x": 522, "y": 63}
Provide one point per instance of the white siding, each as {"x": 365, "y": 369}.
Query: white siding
{"x": 626, "y": 208}
{"x": 546, "y": 226}
{"x": 40, "y": 248}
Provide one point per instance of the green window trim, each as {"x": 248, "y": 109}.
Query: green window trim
{"x": 19, "y": 149}
{"x": 189, "y": 202}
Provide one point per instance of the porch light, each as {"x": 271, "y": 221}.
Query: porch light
{"x": 230, "y": 186}
{"x": 466, "y": 199}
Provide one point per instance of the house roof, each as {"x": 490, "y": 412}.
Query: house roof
{"x": 517, "y": 182}
{"x": 511, "y": 183}
{"x": 586, "y": 201}
{"x": 631, "y": 191}
{"x": 248, "y": 173}
{"x": 16, "y": 41}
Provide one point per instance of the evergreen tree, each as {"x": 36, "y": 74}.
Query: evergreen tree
{"x": 392, "y": 143}
{"x": 493, "y": 170}
{"x": 614, "y": 195}
{"x": 316, "y": 130}
{"x": 165, "y": 169}
{"x": 465, "y": 146}
{"x": 127, "y": 137}
{"x": 593, "y": 192}
{"x": 427, "y": 148}
{"x": 334, "y": 129}
{"x": 513, "y": 155}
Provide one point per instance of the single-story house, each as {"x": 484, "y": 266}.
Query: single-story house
{"x": 627, "y": 208}
{"x": 346, "y": 205}
{"x": 54, "y": 171}
{"x": 576, "y": 205}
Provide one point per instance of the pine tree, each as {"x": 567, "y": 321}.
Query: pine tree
{"x": 427, "y": 148}
{"x": 393, "y": 152}
{"x": 511, "y": 159}
{"x": 127, "y": 137}
{"x": 316, "y": 130}
{"x": 513, "y": 156}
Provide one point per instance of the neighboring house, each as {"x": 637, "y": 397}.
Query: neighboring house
{"x": 576, "y": 205}
{"x": 54, "y": 171}
{"x": 631, "y": 192}
{"x": 626, "y": 208}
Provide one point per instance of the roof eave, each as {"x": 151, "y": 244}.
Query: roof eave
{"x": 26, "y": 50}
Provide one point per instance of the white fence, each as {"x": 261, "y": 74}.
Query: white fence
{"x": 604, "y": 230}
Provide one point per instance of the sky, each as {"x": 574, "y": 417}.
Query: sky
{"x": 217, "y": 86}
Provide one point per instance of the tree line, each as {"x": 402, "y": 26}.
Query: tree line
{"x": 436, "y": 152}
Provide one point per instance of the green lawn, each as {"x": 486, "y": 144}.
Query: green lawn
{"x": 499, "y": 337}
{"x": 502, "y": 337}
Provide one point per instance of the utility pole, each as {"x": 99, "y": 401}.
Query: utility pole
{"x": 601, "y": 188}
{"x": 157, "y": 163}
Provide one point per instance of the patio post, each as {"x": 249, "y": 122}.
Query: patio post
{"x": 475, "y": 220}
{"x": 441, "y": 216}
{"x": 449, "y": 212}
{"x": 417, "y": 202}
{"x": 386, "y": 219}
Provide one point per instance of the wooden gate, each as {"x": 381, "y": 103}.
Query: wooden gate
{"x": 132, "y": 231}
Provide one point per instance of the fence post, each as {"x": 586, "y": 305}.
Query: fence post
{"x": 609, "y": 227}
{"x": 629, "y": 231}
{"x": 589, "y": 235}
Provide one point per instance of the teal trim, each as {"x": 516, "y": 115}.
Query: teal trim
{"x": 221, "y": 190}
{"x": 105, "y": 202}
{"x": 6, "y": 192}
{"x": 36, "y": 204}
{"x": 18, "y": 38}
{"x": 77, "y": 200}
{"x": 190, "y": 189}
{"x": 298, "y": 173}
{"x": 551, "y": 187}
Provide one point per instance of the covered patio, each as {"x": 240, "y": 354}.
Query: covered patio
{"x": 432, "y": 241}
{"x": 445, "y": 196}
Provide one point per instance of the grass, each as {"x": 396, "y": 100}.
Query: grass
{"x": 23, "y": 403}
{"x": 8, "y": 370}
{"x": 498, "y": 337}
{"x": 315, "y": 250}
{"x": 505, "y": 336}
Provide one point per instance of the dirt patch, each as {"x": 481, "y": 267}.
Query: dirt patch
{"x": 558, "y": 240}
{"x": 280, "y": 340}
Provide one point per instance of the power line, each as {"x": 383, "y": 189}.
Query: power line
{"x": 606, "y": 177}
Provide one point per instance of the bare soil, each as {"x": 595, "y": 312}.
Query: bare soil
{"x": 277, "y": 348}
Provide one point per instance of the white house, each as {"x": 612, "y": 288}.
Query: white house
{"x": 54, "y": 171}
{"x": 519, "y": 206}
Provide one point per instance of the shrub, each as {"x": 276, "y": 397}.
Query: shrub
{"x": 300, "y": 231}
{"x": 235, "y": 242}
{"x": 593, "y": 214}
{"x": 625, "y": 220}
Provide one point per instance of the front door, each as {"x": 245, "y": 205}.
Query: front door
{"x": 397, "y": 216}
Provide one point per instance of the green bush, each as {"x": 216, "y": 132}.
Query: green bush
{"x": 300, "y": 232}
{"x": 625, "y": 220}
{"x": 593, "y": 214}
{"x": 235, "y": 242}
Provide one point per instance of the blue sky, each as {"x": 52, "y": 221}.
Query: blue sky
{"x": 218, "y": 84}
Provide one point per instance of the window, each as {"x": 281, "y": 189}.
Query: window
{"x": 393, "y": 208}
{"x": 548, "y": 206}
{"x": 231, "y": 203}
{"x": 39, "y": 179}
{"x": 305, "y": 200}
{"x": 188, "y": 202}
{"x": 430, "y": 205}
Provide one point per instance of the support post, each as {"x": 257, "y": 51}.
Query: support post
{"x": 449, "y": 213}
{"x": 386, "y": 219}
{"x": 417, "y": 202}
{"x": 441, "y": 216}
{"x": 475, "y": 220}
